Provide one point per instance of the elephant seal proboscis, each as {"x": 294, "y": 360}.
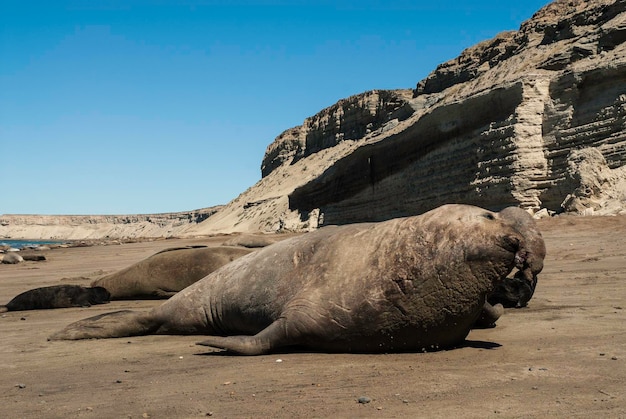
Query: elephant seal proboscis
{"x": 57, "y": 296}
{"x": 165, "y": 273}
{"x": 517, "y": 291}
{"x": 408, "y": 284}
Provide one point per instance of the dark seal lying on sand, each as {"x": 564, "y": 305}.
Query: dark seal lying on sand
{"x": 410, "y": 284}
{"x": 57, "y": 296}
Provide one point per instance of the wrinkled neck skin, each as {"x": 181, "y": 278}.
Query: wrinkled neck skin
{"x": 425, "y": 280}
{"x": 461, "y": 253}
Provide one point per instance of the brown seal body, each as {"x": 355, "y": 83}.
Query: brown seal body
{"x": 167, "y": 272}
{"x": 12, "y": 258}
{"x": 409, "y": 284}
{"x": 57, "y": 296}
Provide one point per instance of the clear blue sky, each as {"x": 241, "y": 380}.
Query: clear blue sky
{"x": 122, "y": 107}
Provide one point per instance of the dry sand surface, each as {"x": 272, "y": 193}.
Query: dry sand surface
{"x": 563, "y": 356}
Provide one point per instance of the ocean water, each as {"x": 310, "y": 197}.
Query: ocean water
{"x": 20, "y": 244}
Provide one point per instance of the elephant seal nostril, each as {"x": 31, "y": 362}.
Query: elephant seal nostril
{"x": 520, "y": 259}
{"x": 514, "y": 292}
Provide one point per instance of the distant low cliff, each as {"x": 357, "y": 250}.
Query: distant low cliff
{"x": 80, "y": 227}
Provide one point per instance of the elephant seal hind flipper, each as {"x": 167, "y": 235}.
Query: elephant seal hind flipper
{"x": 58, "y": 296}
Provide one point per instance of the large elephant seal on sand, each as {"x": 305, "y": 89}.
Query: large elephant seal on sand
{"x": 408, "y": 284}
{"x": 57, "y": 296}
{"x": 168, "y": 271}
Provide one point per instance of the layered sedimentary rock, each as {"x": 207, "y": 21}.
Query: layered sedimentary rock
{"x": 500, "y": 125}
{"x": 349, "y": 119}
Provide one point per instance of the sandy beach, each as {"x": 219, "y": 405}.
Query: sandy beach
{"x": 563, "y": 356}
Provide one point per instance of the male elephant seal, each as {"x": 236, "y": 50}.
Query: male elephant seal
{"x": 408, "y": 284}
{"x": 57, "y": 296}
{"x": 167, "y": 272}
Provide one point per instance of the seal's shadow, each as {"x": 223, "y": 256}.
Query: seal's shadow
{"x": 475, "y": 344}
{"x": 280, "y": 351}
{"x": 478, "y": 344}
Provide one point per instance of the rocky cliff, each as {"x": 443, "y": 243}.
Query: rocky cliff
{"x": 534, "y": 117}
{"x": 349, "y": 119}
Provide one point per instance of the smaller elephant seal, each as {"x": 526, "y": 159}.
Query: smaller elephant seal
{"x": 12, "y": 258}
{"x": 35, "y": 258}
{"x": 165, "y": 273}
{"x": 57, "y": 296}
{"x": 407, "y": 284}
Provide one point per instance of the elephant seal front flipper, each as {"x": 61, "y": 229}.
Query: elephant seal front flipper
{"x": 273, "y": 336}
{"x": 489, "y": 316}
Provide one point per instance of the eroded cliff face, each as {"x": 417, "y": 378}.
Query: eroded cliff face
{"x": 499, "y": 125}
{"x": 349, "y": 119}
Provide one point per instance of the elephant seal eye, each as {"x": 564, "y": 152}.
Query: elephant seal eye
{"x": 489, "y": 216}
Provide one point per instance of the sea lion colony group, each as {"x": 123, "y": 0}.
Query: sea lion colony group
{"x": 407, "y": 284}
